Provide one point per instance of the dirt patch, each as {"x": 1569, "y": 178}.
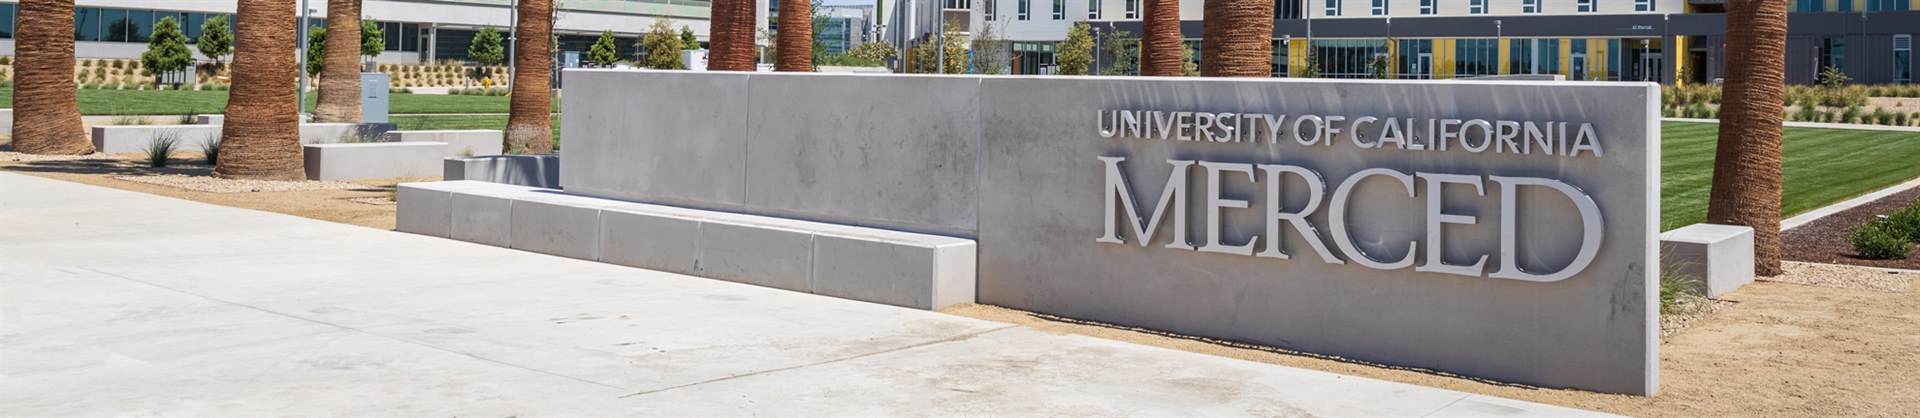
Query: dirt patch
{"x": 1825, "y": 240}
{"x": 1770, "y": 349}
{"x": 363, "y": 203}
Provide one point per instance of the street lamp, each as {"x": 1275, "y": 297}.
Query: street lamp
{"x": 306, "y": 18}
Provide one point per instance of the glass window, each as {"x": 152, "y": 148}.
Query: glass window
{"x": 1903, "y": 59}
{"x": 1426, "y": 7}
{"x": 1133, "y": 9}
{"x": 1059, "y": 9}
{"x": 86, "y": 24}
{"x": 1288, "y": 9}
{"x": 116, "y": 25}
{"x": 990, "y": 9}
{"x": 1614, "y": 57}
{"x": 6, "y": 20}
{"x": 191, "y": 26}
{"x": 1476, "y": 57}
{"x": 1643, "y": 5}
{"x": 1478, "y": 7}
{"x": 1348, "y": 58}
{"x": 1333, "y": 7}
{"x": 1025, "y": 11}
{"x": 1529, "y": 6}
{"x": 1843, "y": 6}
{"x": 1810, "y": 6}
{"x": 1520, "y": 56}
{"x": 142, "y": 25}
{"x": 1093, "y": 9}
{"x": 1889, "y": 5}
{"x": 1584, "y": 6}
{"x": 1280, "y": 53}
{"x": 1380, "y": 7}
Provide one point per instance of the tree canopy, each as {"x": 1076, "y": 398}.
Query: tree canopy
{"x": 1075, "y": 55}
{"x": 316, "y": 50}
{"x": 216, "y": 39}
{"x": 662, "y": 47}
{"x": 486, "y": 47}
{"x": 373, "y": 38}
{"x": 167, "y": 49}
{"x": 603, "y": 53}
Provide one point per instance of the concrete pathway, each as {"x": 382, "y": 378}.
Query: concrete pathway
{"x": 121, "y": 303}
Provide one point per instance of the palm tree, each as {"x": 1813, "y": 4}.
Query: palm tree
{"x": 1239, "y": 38}
{"x": 1746, "y": 166}
{"x": 340, "y": 76}
{"x": 730, "y": 36}
{"x": 1160, "y": 42}
{"x": 46, "y": 111}
{"x": 530, "y": 123}
{"x": 795, "y": 41}
{"x": 261, "y": 137}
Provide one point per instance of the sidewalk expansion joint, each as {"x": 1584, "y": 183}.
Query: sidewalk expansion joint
{"x": 956, "y": 338}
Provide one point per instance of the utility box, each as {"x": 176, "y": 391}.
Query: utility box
{"x": 373, "y": 97}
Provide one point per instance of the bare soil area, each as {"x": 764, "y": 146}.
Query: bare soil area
{"x": 1822, "y": 340}
{"x": 1773, "y": 348}
{"x": 1825, "y": 240}
{"x": 363, "y": 203}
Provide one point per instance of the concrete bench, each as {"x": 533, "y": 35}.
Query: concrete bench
{"x": 209, "y": 119}
{"x": 6, "y": 121}
{"x": 867, "y": 264}
{"x": 460, "y": 143}
{"x": 1720, "y": 256}
{"x": 524, "y": 170}
{"x": 114, "y": 139}
{"x": 378, "y": 160}
{"x": 328, "y": 133}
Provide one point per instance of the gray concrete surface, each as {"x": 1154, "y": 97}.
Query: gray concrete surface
{"x": 460, "y": 143}
{"x": 1022, "y": 173}
{"x": 231, "y": 312}
{"x": 1719, "y": 256}
{"x": 866, "y": 264}
{"x": 374, "y": 160}
{"x": 523, "y": 170}
{"x": 114, "y": 139}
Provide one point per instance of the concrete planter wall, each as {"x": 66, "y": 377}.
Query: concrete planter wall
{"x": 114, "y": 139}
{"x": 380, "y": 160}
{"x": 460, "y": 143}
{"x": 523, "y": 170}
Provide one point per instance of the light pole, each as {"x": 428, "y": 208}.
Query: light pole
{"x": 306, "y": 17}
{"x": 513, "y": 32}
{"x": 1096, "y": 49}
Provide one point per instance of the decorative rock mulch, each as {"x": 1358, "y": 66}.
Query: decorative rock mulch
{"x": 212, "y": 184}
{"x": 1825, "y": 240}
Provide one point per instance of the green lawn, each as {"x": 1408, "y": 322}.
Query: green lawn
{"x": 175, "y": 102}
{"x": 1822, "y": 166}
{"x": 436, "y": 122}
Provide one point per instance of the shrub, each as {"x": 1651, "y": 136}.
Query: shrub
{"x": 1850, "y": 115}
{"x": 1807, "y": 113}
{"x": 128, "y": 120}
{"x": 160, "y": 151}
{"x": 1679, "y": 294}
{"x": 211, "y": 147}
{"x": 1906, "y": 221}
{"x": 1879, "y": 239}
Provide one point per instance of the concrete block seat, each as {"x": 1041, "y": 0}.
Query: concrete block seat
{"x": 460, "y": 143}
{"x": 524, "y": 170}
{"x": 378, "y": 160}
{"x": 115, "y": 139}
{"x": 867, "y": 264}
{"x": 1720, "y": 256}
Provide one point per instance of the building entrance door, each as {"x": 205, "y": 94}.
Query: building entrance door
{"x": 1577, "y": 70}
{"x": 1423, "y": 66}
{"x": 1650, "y": 67}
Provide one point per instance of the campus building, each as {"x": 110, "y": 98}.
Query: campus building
{"x": 416, "y": 31}
{"x": 1666, "y": 41}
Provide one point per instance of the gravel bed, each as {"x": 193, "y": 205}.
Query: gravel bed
{"x": 1846, "y": 277}
{"x": 220, "y": 185}
{"x": 18, "y": 157}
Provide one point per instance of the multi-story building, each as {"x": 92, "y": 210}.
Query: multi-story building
{"x": 843, "y": 27}
{"x": 1871, "y": 41}
{"x": 415, "y": 30}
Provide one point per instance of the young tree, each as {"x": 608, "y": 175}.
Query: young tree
{"x": 339, "y": 64}
{"x": 530, "y": 106}
{"x": 261, "y": 137}
{"x": 373, "y": 38}
{"x": 316, "y": 50}
{"x": 486, "y": 50}
{"x": 926, "y": 59}
{"x": 874, "y": 51}
{"x": 1187, "y": 67}
{"x": 1161, "y": 49}
{"x": 662, "y": 48}
{"x": 1125, "y": 50}
{"x": 46, "y": 106}
{"x": 1239, "y": 43}
{"x": 166, "y": 49}
{"x": 991, "y": 51}
{"x": 216, "y": 40}
{"x": 603, "y": 53}
{"x": 1075, "y": 55}
{"x": 687, "y": 40}
{"x": 1746, "y": 163}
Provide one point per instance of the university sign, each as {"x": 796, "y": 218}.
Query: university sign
{"x": 1502, "y": 230}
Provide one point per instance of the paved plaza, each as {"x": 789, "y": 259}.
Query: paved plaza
{"x": 121, "y": 303}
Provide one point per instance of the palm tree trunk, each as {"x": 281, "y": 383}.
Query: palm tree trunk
{"x": 46, "y": 117}
{"x": 261, "y": 137}
{"x": 339, "y": 99}
{"x": 730, "y": 35}
{"x": 530, "y": 125}
{"x": 795, "y": 41}
{"x": 1746, "y": 165}
{"x": 1160, "y": 42}
{"x": 1238, "y": 40}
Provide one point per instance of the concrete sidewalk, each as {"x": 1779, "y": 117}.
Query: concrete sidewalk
{"x": 121, "y": 303}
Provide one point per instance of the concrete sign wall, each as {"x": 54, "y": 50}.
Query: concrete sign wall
{"x": 1495, "y": 229}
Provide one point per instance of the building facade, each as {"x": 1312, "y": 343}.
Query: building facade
{"x": 1667, "y": 41}
{"x": 416, "y": 31}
